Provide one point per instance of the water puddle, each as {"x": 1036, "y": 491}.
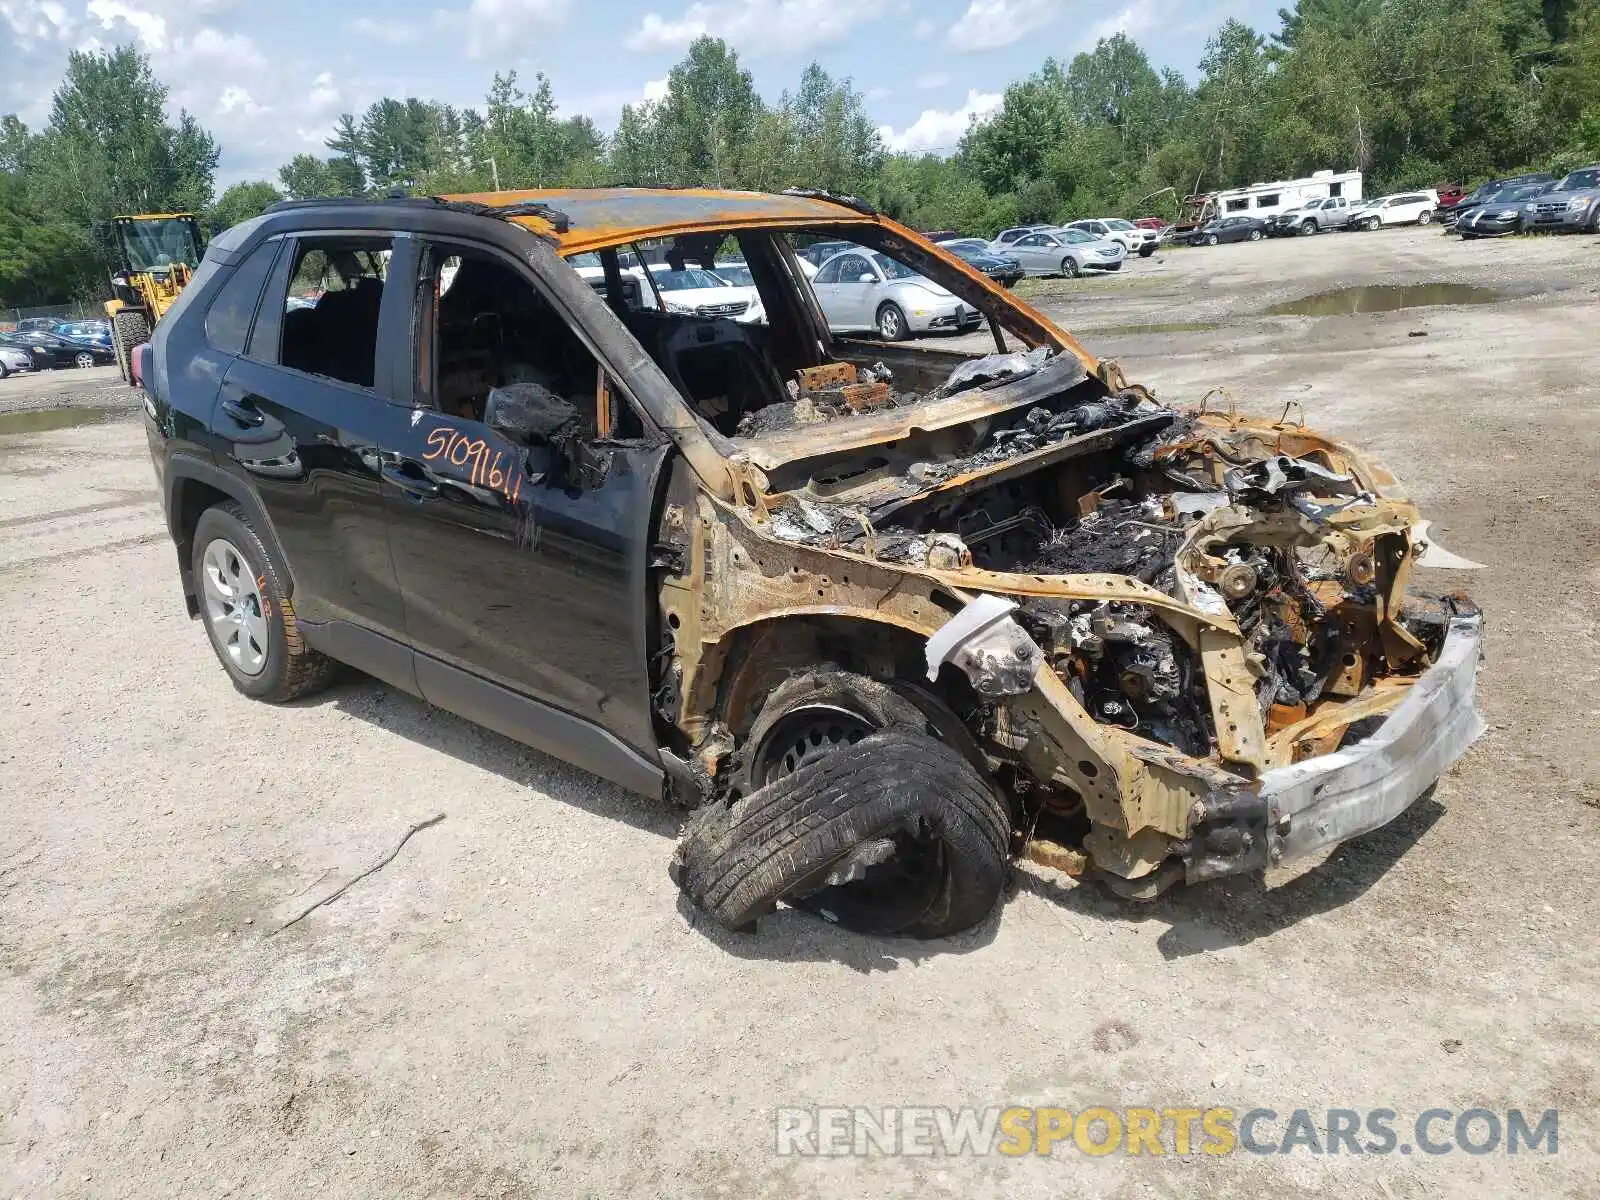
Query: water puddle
{"x": 1385, "y": 297}
{"x": 42, "y": 420}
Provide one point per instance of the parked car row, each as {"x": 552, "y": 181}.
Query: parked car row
{"x": 44, "y": 344}
{"x": 1536, "y": 203}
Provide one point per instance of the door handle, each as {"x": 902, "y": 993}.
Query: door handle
{"x": 408, "y": 477}
{"x": 243, "y": 412}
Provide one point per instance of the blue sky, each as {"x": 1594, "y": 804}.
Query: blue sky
{"x": 269, "y": 79}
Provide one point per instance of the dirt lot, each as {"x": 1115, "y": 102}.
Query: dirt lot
{"x": 517, "y": 1005}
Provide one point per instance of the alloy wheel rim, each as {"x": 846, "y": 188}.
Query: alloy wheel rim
{"x": 85, "y": 361}
{"x": 234, "y": 609}
{"x": 889, "y": 323}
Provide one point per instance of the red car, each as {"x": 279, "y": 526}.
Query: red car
{"x": 1155, "y": 223}
{"x": 1450, "y": 194}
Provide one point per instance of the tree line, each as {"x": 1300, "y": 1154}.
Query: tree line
{"x": 1412, "y": 92}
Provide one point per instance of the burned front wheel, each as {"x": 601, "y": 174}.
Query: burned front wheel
{"x": 894, "y": 833}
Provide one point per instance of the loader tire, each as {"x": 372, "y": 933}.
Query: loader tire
{"x": 894, "y": 834}
{"x": 128, "y": 330}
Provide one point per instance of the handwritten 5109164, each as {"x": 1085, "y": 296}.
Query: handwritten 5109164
{"x": 486, "y": 467}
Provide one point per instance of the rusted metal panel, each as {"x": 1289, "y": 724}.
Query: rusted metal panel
{"x": 601, "y": 217}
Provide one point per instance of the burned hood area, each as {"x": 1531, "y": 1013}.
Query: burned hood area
{"x": 1287, "y": 540}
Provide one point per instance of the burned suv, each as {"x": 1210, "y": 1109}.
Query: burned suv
{"x": 884, "y": 618}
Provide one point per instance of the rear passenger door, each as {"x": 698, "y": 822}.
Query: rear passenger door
{"x": 305, "y": 415}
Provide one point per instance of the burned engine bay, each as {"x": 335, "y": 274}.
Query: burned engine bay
{"x": 1196, "y": 598}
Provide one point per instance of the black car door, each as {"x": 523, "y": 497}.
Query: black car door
{"x": 523, "y": 564}
{"x": 307, "y": 415}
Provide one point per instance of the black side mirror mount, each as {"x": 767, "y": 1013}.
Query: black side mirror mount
{"x": 585, "y": 464}
{"x": 529, "y": 414}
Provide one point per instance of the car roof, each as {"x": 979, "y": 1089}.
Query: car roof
{"x": 594, "y": 218}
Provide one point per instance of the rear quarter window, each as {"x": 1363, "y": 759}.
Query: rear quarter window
{"x": 234, "y": 308}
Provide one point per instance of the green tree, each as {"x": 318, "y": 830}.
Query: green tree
{"x": 306, "y": 176}
{"x": 108, "y": 148}
{"x": 836, "y": 145}
{"x": 241, "y": 202}
{"x": 43, "y": 260}
{"x": 707, "y": 116}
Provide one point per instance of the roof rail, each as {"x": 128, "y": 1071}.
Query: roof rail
{"x": 853, "y": 202}
{"x": 559, "y": 221}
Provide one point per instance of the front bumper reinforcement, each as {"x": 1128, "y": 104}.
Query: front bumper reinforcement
{"x": 1334, "y": 797}
{"x": 1297, "y": 810}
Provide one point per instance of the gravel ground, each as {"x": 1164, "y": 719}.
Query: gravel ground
{"x": 518, "y": 1004}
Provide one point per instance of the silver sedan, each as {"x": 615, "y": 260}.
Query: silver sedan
{"x": 1068, "y": 252}
{"x": 863, "y": 289}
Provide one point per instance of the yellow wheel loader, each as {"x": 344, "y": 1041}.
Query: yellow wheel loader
{"x": 157, "y": 254}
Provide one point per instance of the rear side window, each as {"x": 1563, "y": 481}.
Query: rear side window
{"x": 330, "y": 316}
{"x": 228, "y": 319}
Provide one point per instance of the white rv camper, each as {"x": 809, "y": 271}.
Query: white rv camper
{"x": 1265, "y": 199}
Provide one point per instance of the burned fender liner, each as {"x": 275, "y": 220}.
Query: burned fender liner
{"x": 809, "y": 838}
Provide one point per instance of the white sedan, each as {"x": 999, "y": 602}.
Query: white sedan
{"x": 1068, "y": 252}
{"x": 702, "y": 293}
{"x": 864, "y": 289}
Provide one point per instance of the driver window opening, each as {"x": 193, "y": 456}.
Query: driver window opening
{"x": 493, "y": 329}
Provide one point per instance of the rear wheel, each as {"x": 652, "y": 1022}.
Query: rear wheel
{"x": 1211, "y": 239}
{"x": 83, "y": 360}
{"x": 891, "y": 323}
{"x": 247, "y": 613}
{"x": 1069, "y": 267}
{"x": 128, "y": 330}
{"x": 1425, "y": 217}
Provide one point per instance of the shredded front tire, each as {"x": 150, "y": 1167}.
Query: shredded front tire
{"x": 897, "y": 834}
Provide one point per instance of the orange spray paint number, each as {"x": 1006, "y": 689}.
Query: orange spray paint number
{"x": 486, "y": 467}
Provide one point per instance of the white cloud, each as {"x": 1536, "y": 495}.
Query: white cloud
{"x": 988, "y": 24}
{"x": 498, "y": 28}
{"x": 35, "y": 21}
{"x": 924, "y": 29}
{"x": 221, "y": 51}
{"x": 150, "y": 28}
{"x": 655, "y": 90}
{"x": 938, "y": 130}
{"x": 929, "y": 80}
{"x": 1137, "y": 18}
{"x": 755, "y": 26}
{"x": 879, "y": 93}
{"x": 394, "y": 33}
{"x": 238, "y": 99}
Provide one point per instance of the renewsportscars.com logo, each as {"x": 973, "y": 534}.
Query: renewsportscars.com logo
{"x": 1016, "y": 1131}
